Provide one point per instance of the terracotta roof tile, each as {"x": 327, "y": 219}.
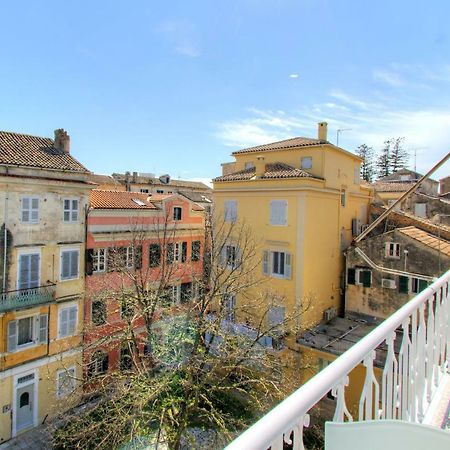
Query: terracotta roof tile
{"x": 34, "y": 151}
{"x": 273, "y": 170}
{"x": 287, "y": 143}
{"x": 427, "y": 239}
{"x": 175, "y": 183}
{"x": 103, "y": 199}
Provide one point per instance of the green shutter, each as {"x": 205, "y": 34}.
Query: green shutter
{"x": 367, "y": 278}
{"x": 422, "y": 285}
{"x": 351, "y": 273}
{"x": 403, "y": 284}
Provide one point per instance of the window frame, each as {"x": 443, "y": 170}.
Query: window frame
{"x": 359, "y": 277}
{"x": 64, "y": 250}
{"x": 63, "y": 394}
{"x": 96, "y": 257}
{"x": 35, "y": 332}
{"x": 177, "y": 213}
{"x": 396, "y": 250}
{"x": 196, "y": 249}
{"x": 61, "y": 308}
{"x": 71, "y": 210}
{"x": 306, "y": 158}
{"x": 104, "y": 315}
{"x": 28, "y": 251}
{"x": 155, "y": 245}
{"x": 30, "y": 210}
{"x": 269, "y": 261}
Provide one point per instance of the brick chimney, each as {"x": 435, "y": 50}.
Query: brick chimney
{"x": 322, "y": 128}
{"x": 62, "y": 140}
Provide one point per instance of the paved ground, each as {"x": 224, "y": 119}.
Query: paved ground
{"x": 36, "y": 439}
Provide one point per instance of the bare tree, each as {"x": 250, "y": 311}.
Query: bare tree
{"x": 205, "y": 362}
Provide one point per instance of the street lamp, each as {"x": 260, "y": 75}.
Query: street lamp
{"x": 338, "y": 132}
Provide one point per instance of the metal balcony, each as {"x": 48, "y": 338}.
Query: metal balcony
{"x": 401, "y": 399}
{"x": 24, "y": 298}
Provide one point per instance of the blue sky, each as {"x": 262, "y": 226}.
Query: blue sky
{"x": 176, "y": 86}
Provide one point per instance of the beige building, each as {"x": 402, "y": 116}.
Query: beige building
{"x": 44, "y": 195}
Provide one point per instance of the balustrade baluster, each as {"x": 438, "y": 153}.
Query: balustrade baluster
{"x": 368, "y": 402}
{"x": 404, "y": 366}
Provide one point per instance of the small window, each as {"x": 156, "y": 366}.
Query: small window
{"x": 98, "y": 312}
{"x": 99, "y": 364}
{"x": 69, "y": 264}
{"x": 343, "y": 197}
{"x": 99, "y": 260}
{"x": 70, "y": 210}
{"x": 66, "y": 382}
{"x": 249, "y": 165}
{"x": 129, "y": 257}
{"x": 67, "y": 321}
{"x": 25, "y": 331}
{"x": 195, "y": 251}
{"x": 154, "y": 255}
{"x": 306, "y": 162}
{"x": 392, "y": 250}
{"x": 363, "y": 277}
{"x": 231, "y": 256}
{"x": 278, "y": 212}
{"x": 144, "y": 191}
{"x": 177, "y": 210}
{"x": 159, "y": 191}
{"x": 30, "y": 210}
{"x": 176, "y": 252}
{"x": 277, "y": 264}
{"x": 230, "y": 214}
{"x": 185, "y": 292}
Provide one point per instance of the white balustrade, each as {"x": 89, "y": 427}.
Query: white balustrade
{"x": 407, "y": 384}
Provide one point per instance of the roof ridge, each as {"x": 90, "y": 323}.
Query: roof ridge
{"x": 27, "y": 135}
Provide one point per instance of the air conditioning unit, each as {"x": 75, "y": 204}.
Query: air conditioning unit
{"x": 356, "y": 227}
{"x": 329, "y": 314}
{"x": 389, "y": 284}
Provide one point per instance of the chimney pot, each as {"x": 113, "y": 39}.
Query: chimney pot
{"x": 322, "y": 129}
{"x": 62, "y": 140}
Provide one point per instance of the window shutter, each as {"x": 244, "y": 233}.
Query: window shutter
{"x": 422, "y": 285}
{"x": 72, "y": 320}
{"x": 170, "y": 253}
{"x": 287, "y": 265}
{"x": 183, "y": 251}
{"x": 403, "y": 283}
{"x": 74, "y": 263}
{"x": 63, "y": 322}
{"x": 43, "y": 328}
{"x": 266, "y": 262}
{"x": 367, "y": 278}
{"x": 138, "y": 257}
{"x": 273, "y": 212}
{"x": 74, "y": 210}
{"x": 351, "y": 276}
{"x": 12, "y": 335}
{"x": 23, "y": 271}
{"x": 65, "y": 264}
{"x": 34, "y": 210}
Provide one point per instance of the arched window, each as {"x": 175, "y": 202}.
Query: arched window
{"x": 24, "y": 399}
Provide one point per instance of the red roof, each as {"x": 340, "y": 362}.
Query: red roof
{"x": 103, "y": 199}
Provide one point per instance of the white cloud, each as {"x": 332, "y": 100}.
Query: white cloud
{"x": 388, "y": 77}
{"x": 293, "y": 75}
{"x": 181, "y": 35}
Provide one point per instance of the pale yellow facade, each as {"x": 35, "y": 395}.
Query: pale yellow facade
{"x": 41, "y": 326}
{"x": 318, "y": 225}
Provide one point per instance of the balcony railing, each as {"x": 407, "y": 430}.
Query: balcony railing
{"x": 407, "y": 385}
{"x": 24, "y": 298}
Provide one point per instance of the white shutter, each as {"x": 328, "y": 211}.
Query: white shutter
{"x": 43, "y": 328}
{"x": 12, "y": 335}
{"x": 34, "y": 210}
{"x": 230, "y": 214}
{"x": 72, "y": 321}
{"x": 278, "y": 212}
{"x": 34, "y": 270}
{"x": 74, "y": 264}
{"x": 287, "y": 265}
{"x": 266, "y": 262}
{"x": 74, "y": 210}
{"x": 63, "y": 322}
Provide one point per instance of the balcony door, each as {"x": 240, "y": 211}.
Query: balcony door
{"x": 28, "y": 271}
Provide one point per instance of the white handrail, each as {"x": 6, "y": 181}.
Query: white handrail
{"x": 285, "y": 416}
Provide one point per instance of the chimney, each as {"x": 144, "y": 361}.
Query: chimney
{"x": 62, "y": 140}
{"x": 260, "y": 166}
{"x": 322, "y": 131}
{"x": 135, "y": 175}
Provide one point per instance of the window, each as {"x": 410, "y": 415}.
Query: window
{"x": 249, "y": 165}
{"x": 69, "y": 264}
{"x": 28, "y": 276}
{"x": 70, "y": 210}
{"x": 129, "y": 257}
{"x": 175, "y": 293}
{"x": 185, "y": 292}
{"x": 361, "y": 277}
{"x": 99, "y": 260}
{"x": 411, "y": 285}
{"x": 66, "y": 382}
{"x": 277, "y": 264}
{"x": 67, "y": 321}
{"x": 177, "y": 210}
{"x": 176, "y": 252}
{"x": 159, "y": 191}
{"x": 392, "y": 250}
{"x": 229, "y": 307}
{"x": 144, "y": 191}
{"x": 27, "y": 331}
{"x": 276, "y": 316}
{"x": 230, "y": 256}
{"x": 30, "y": 210}
{"x": 343, "y": 197}
{"x": 99, "y": 364}
{"x": 154, "y": 255}
{"x": 278, "y": 212}
{"x": 98, "y": 312}
{"x": 306, "y": 162}
{"x": 195, "y": 251}
{"x": 230, "y": 214}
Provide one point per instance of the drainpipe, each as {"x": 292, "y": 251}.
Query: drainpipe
{"x": 5, "y": 238}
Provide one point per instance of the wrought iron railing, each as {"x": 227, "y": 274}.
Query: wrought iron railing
{"x": 404, "y": 392}
{"x": 23, "y": 298}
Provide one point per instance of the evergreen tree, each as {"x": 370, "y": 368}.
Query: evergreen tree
{"x": 398, "y": 158}
{"x": 367, "y": 167}
{"x": 384, "y": 159}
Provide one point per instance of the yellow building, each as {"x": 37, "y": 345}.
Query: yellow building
{"x": 303, "y": 200}
{"x": 44, "y": 196}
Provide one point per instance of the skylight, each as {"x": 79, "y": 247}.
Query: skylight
{"x": 138, "y": 202}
